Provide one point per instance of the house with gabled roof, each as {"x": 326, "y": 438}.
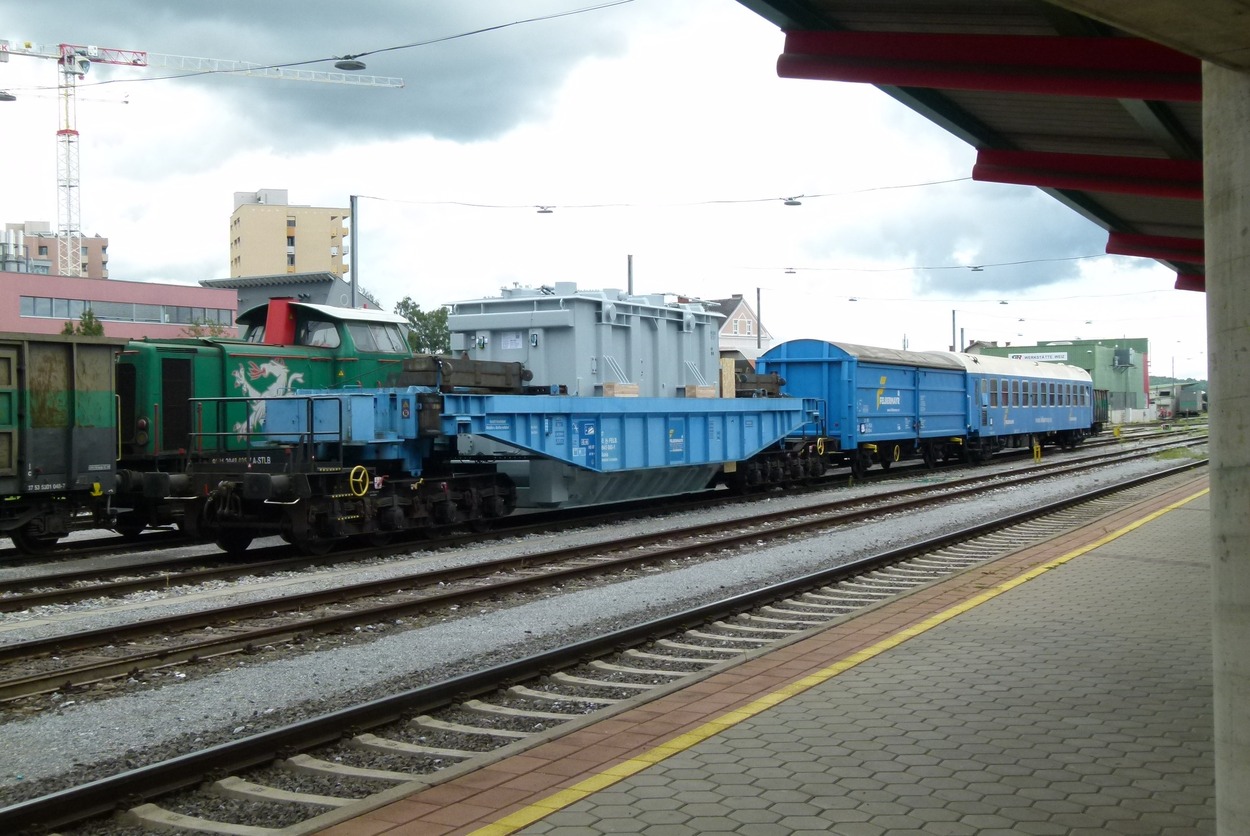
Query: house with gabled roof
{"x": 741, "y": 333}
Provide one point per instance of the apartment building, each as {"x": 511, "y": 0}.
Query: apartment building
{"x": 31, "y": 247}
{"x": 269, "y": 236}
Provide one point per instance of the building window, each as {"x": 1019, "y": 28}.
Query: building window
{"x": 736, "y": 326}
{"x": 39, "y": 306}
{"x": 43, "y": 249}
{"x": 290, "y": 240}
{"x": 290, "y": 259}
{"x": 750, "y": 325}
{"x": 290, "y": 221}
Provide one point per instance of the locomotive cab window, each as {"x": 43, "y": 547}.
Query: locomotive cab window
{"x": 381, "y": 337}
{"x": 319, "y": 333}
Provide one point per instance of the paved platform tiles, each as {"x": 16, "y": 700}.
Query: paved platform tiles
{"x": 1063, "y": 690}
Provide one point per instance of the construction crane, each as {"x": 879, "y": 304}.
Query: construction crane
{"x": 75, "y": 60}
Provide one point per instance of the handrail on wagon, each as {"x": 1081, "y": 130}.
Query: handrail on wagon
{"x": 251, "y": 441}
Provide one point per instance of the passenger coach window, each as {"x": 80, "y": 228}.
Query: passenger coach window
{"x": 1015, "y": 393}
{"x": 1052, "y": 394}
{"x": 993, "y": 393}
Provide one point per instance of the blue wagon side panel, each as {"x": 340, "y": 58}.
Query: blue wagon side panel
{"x": 820, "y": 370}
{"x": 615, "y": 434}
{"x": 886, "y": 406}
{"x": 943, "y": 403}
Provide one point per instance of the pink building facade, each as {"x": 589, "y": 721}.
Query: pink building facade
{"x": 38, "y": 304}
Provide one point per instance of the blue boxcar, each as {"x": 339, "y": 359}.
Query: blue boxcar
{"x": 875, "y": 403}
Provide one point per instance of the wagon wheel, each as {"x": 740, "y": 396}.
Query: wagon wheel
{"x": 859, "y": 464}
{"x": 130, "y": 526}
{"x": 313, "y": 545}
{"x": 30, "y": 543}
{"x": 930, "y": 459}
{"x": 892, "y": 453}
{"x": 234, "y": 542}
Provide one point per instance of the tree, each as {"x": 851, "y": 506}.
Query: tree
{"x": 429, "y": 334}
{"x": 88, "y": 326}
{"x": 203, "y": 328}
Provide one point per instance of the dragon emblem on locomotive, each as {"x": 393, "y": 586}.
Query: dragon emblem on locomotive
{"x": 262, "y": 380}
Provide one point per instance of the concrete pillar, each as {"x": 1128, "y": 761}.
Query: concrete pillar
{"x": 1226, "y": 175}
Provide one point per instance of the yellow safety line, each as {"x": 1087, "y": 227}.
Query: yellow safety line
{"x": 602, "y": 780}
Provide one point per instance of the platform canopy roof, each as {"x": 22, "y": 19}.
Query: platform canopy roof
{"x": 1096, "y": 102}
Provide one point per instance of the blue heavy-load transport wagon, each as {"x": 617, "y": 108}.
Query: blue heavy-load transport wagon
{"x": 334, "y": 464}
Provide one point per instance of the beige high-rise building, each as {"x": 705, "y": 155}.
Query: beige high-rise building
{"x": 269, "y": 237}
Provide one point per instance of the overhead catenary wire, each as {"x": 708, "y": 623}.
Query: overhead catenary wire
{"x": 349, "y": 57}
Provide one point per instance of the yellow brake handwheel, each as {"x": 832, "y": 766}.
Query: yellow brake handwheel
{"x": 359, "y": 480}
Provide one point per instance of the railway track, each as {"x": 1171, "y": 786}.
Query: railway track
{"x": 67, "y": 663}
{"x": 287, "y": 776}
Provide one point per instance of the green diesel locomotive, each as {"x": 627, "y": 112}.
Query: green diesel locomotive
{"x": 93, "y": 430}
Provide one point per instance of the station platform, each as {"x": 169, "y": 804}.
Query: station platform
{"x": 1066, "y": 689}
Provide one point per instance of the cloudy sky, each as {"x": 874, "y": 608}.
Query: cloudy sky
{"x": 650, "y": 128}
